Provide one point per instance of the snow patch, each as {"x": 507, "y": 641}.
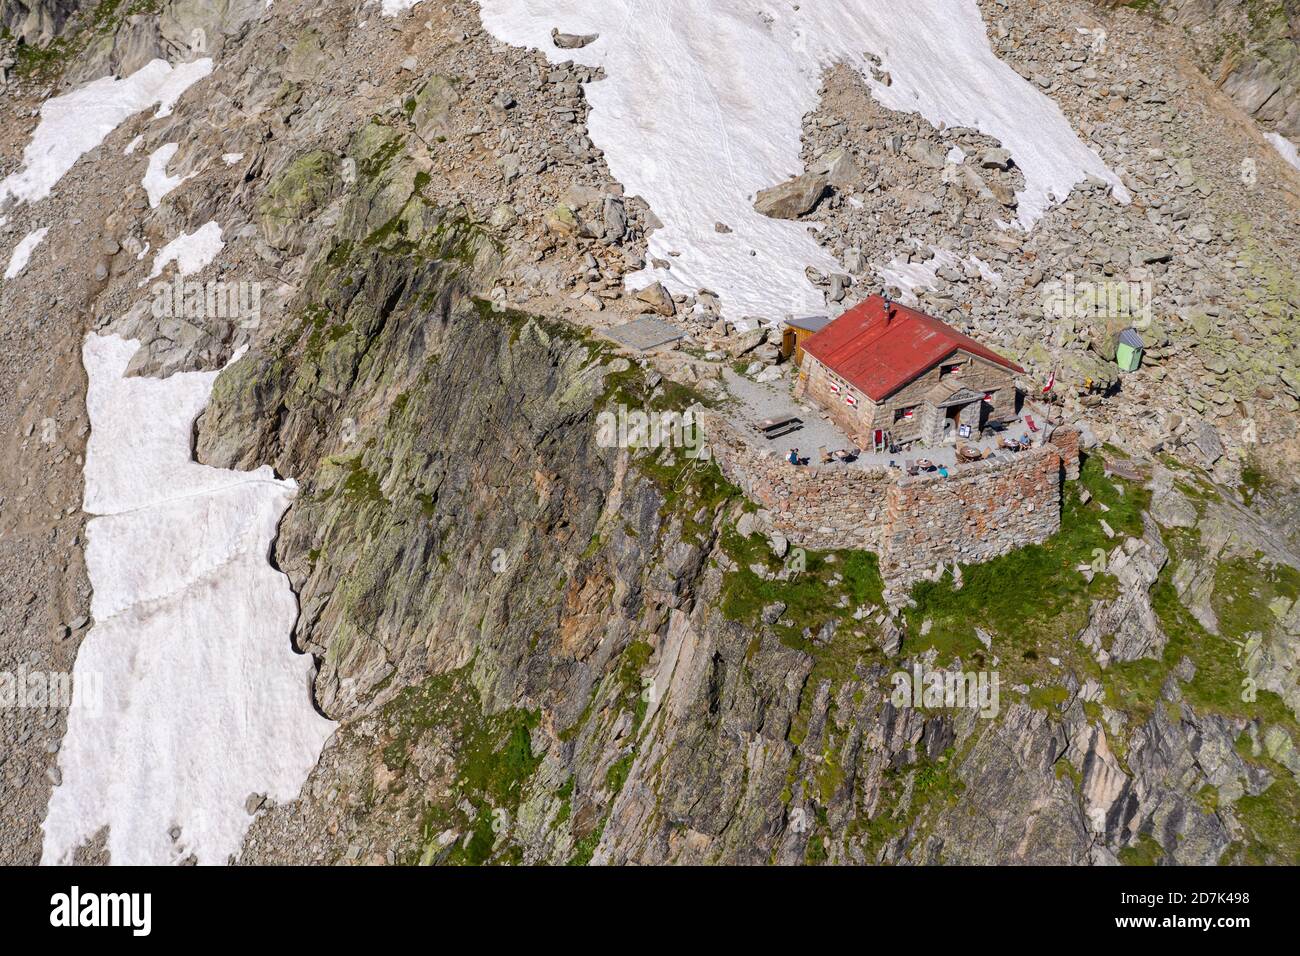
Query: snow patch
{"x": 203, "y": 701}
{"x": 1285, "y": 147}
{"x": 156, "y": 182}
{"x": 75, "y": 123}
{"x": 987, "y": 273}
{"x": 911, "y": 276}
{"x": 190, "y": 251}
{"x": 23, "y": 251}
{"x": 703, "y": 107}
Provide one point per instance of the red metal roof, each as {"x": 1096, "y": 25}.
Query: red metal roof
{"x": 881, "y": 357}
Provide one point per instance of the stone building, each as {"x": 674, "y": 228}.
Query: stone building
{"x": 882, "y": 366}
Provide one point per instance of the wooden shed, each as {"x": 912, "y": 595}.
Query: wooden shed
{"x": 797, "y": 331}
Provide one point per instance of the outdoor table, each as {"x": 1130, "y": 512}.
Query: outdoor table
{"x": 776, "y": 427}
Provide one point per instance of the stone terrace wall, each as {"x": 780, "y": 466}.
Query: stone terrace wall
{"x": 823, "y": 507}
{"x": 982, "y": 511}
{"x": 979, "y": 512}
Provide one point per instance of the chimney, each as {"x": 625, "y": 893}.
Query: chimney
{"x": 889, "y": 310}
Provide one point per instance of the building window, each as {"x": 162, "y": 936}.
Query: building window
{"x": 903, "y": 414}
{"x": 946, "y": 370}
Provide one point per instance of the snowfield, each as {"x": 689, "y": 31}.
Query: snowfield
{"x": 203, "y": 700}
{"x": 75, "y": 123}
{"x": 703, "y": 107}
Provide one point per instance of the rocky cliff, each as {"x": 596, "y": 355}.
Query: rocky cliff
{"x": 542, "y": 648}
{"x": 547, "y": 651}
{"x": 1251, "y": 50}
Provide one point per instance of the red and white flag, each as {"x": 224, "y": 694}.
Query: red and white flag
{"x": 1051, "y": 381}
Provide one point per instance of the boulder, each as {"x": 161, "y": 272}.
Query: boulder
{"x": 657, "y": 297}
{"x": 926, "y": 153}
{"x": 840, "y": 170}
{"x": 430, "y": 107}
{"x": 573, "y": 41}
{"x": 794, "y": 198}
{"x": 305, "y": 185}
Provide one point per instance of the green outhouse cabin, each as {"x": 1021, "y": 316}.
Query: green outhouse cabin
{"x": 1128, "y": 350}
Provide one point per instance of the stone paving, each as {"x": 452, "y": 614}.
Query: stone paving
{"x": 644, "y": 334}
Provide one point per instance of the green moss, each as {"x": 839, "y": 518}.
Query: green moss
{"x": 373, "y": 148}
{"x": 934, "y": 787}
{"x": 362, "y": 485}
{"x": 302, "y": 187}
{"x": 1243, "y": 590}
{"x": 816, "y": 851}
{"x": 565, "y": 796}
{"x": 1253, "y": 482}
{"x": 1146, "y": 852}
{"x": 1050, "y": 699}
{"x": 825, "y": 594}
{"x": 1245, "y": 587}
{"x": 616, "y": 776}
{"x": 831, "y": 586}
{"x": 1066, "y": 770}
{"x": 46, "y": 64}
{"x": 1208, "y": 798}
{"x": 586, "y": 847}
{"x": 632, "y": 664}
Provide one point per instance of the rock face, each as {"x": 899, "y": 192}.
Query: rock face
{"x": 542, "y": 646}
{"x": 477, "y": 574}
{"x": 37, "y": 22}
{"x": 1253, "y": 53}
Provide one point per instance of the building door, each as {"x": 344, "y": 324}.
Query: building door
{"x": 952, "y": 420}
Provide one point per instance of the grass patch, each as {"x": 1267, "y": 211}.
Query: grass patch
{"x": 935, "y": 786}
{"x": 361, "y": 484}
{"x": 1270, "y": 821}
{"x": 1146, "y": 852}
{"x": 493, "y": 756}
{"x": 820, "y": 604}
{"x": 1033, "y": 600}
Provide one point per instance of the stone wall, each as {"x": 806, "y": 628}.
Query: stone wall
{"x": 854, "y": 420}
{"x": 979, "y": 512}
{"x": 823, "y": 507}
{"x": 1066, "y": 439}
{"x": 982, "y": 510}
